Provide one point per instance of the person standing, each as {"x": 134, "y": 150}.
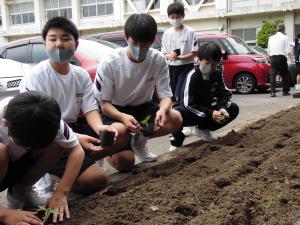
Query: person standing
{"x": 297, "y": 61}
{"x": 278, "y": 49}
{"x": 179, "y": 45}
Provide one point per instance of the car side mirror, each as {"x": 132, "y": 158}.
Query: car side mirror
{"x": 224, "y": 54}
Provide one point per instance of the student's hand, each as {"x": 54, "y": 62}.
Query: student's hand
{"x": 58, "y": 202}
{"x": 88, "y": 143}
{"x": 217, "y": 116}
{"x": 224, "y": 112}
{"x": 111, "y": 129}
{"x": 160, "y": 118}
{"x": 19, "y": 217}
{"x": 131, "y": 123}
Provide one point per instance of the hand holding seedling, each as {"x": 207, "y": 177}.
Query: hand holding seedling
{"x": 220, "y": 116}
{"x": 47, "y": 213}
{"x": 16, "y": 217}
{"x": 58, "y": 202}
{"x": 131, "y": 123}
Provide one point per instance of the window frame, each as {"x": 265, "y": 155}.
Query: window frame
{"x": 21, "y": 13}
{"x": 58, "y": 8}
{"x": 96, "y": 5}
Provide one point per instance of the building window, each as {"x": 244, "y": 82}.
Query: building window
{"x": 90, "y": 8}
{"x": 248, "y": 35}
{"x": 196, "y": 2}
{"x": 141, "y": 5}
{"x": 55, "y": 8}
{"x": 21, "y": 13}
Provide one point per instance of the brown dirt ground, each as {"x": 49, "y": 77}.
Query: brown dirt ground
{"x": 251, "y": 177}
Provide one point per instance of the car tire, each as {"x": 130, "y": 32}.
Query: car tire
{"x": 244, "y": 83}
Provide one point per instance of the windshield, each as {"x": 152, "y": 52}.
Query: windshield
{"x": 237, "y": 46}
{"x": 93, "y": 50}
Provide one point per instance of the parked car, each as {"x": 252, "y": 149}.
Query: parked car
{"x": 11, "y": 74}
{"x": 291, "y": 63}
{"x": 244, "y": 70}
{"x": 32, "y": 51}
{"x": 118, "y": 38}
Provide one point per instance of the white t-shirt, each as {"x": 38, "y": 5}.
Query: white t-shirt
{"x": 185, "y": 40}
{"x": 123, "y": 82}
{"x": 65, "y": 137}
{"x": 73, "y": 91}
{"x": 278, "y": 45}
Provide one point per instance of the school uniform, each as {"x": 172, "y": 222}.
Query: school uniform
{"x": 20, "y": 159}
{"x": 186, "y": 41}
{"x": 130, "y": 86}
{"x": 73, "y": 93}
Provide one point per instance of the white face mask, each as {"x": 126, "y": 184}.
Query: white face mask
{"x": 137, "y": 52}
{"x": 205, "y": 70}
{"x": 175, "y": 22}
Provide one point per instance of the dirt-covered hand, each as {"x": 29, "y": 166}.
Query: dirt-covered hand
{"x": 19, "y": 217}
{"x": 89, "y": 143}
{"x": 131, "y": 123}
{"x": 58, "y": 202}
{"x": 217, "y": 116}
{"x": 224, "y": 112}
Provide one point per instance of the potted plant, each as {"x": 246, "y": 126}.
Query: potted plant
{"x": 147, "y": 127}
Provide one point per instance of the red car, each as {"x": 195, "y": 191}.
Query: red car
{"x": 32, "y": 51}
{"x": 244, "y": 70}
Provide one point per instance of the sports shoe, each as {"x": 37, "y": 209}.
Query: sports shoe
{"x": 286, "y": 93}
{"x": 176, "y": 140}
{"x": 272, "y": 94}
{"x": 187, "y": 131}
{"x": 204, "y": 134}
{"x": 30, "y": 196}
{"x": 296, "y": 95}
{"x": 138, "y": 144}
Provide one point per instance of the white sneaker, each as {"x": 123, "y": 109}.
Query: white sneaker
{"x": 30, "y": 196}
{"x": 138, "y": 144}
{"x": 172, "y": 148}
{"x": 187, "y": 131}
{"x": 204, "y": 134}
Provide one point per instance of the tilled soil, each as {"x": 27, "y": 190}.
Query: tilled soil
{"x": 251, "y": 177}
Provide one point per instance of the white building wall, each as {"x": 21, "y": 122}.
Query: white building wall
{"x": 219, "y": 17}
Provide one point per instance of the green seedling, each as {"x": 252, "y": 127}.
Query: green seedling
{"x": 145, "y": 121}
{"x": 47, "y": 213}
{"x": 271, "y": 201}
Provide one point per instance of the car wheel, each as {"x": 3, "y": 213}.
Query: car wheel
{"x": 244, "y": 83}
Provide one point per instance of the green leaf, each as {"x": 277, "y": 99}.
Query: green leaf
{"x": 145, "y": 121}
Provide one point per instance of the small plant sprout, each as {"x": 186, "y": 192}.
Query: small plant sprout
{"x": 271, "y": 201}
{"x": 145, "y": 121}
{"x": 47, "y": 213}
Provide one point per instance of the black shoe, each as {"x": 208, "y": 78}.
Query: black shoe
{"x": 177, "y": 139}
{"x": 286, "y": 93}
{"x": 273, "y": 95}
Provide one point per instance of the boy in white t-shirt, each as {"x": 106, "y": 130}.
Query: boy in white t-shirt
{"x": 32, "y": 139}
{"x": 125, "y": 83}
{"x": 72, "y": 88}
{"x": 179, "y": 45}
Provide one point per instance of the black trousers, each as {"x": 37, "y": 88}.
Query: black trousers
{"x": 279, "y": 66}
{"x": 177, "y": 77}
{"x": 203, "y": 123}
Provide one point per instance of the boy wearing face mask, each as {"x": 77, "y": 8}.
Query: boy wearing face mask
{"x": 125, "y": 83}
{"x": 72, "y": 88}
{"x": 179, "y": 45}
{"x": 205, "y": 99}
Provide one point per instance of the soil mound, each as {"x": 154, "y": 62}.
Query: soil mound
{"x": 250, "y": 177}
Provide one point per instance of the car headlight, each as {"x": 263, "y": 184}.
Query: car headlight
{"x": 260, "y": 60}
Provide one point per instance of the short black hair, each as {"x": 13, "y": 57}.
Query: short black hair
{"x": 209, "y": 51}
{"x": 140, "y": 27}
{"x": 60, "y": 23}
{"x": 281, "y": 28}
{"x": 175, "y": 8}
{"x": 33, "y": 119}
